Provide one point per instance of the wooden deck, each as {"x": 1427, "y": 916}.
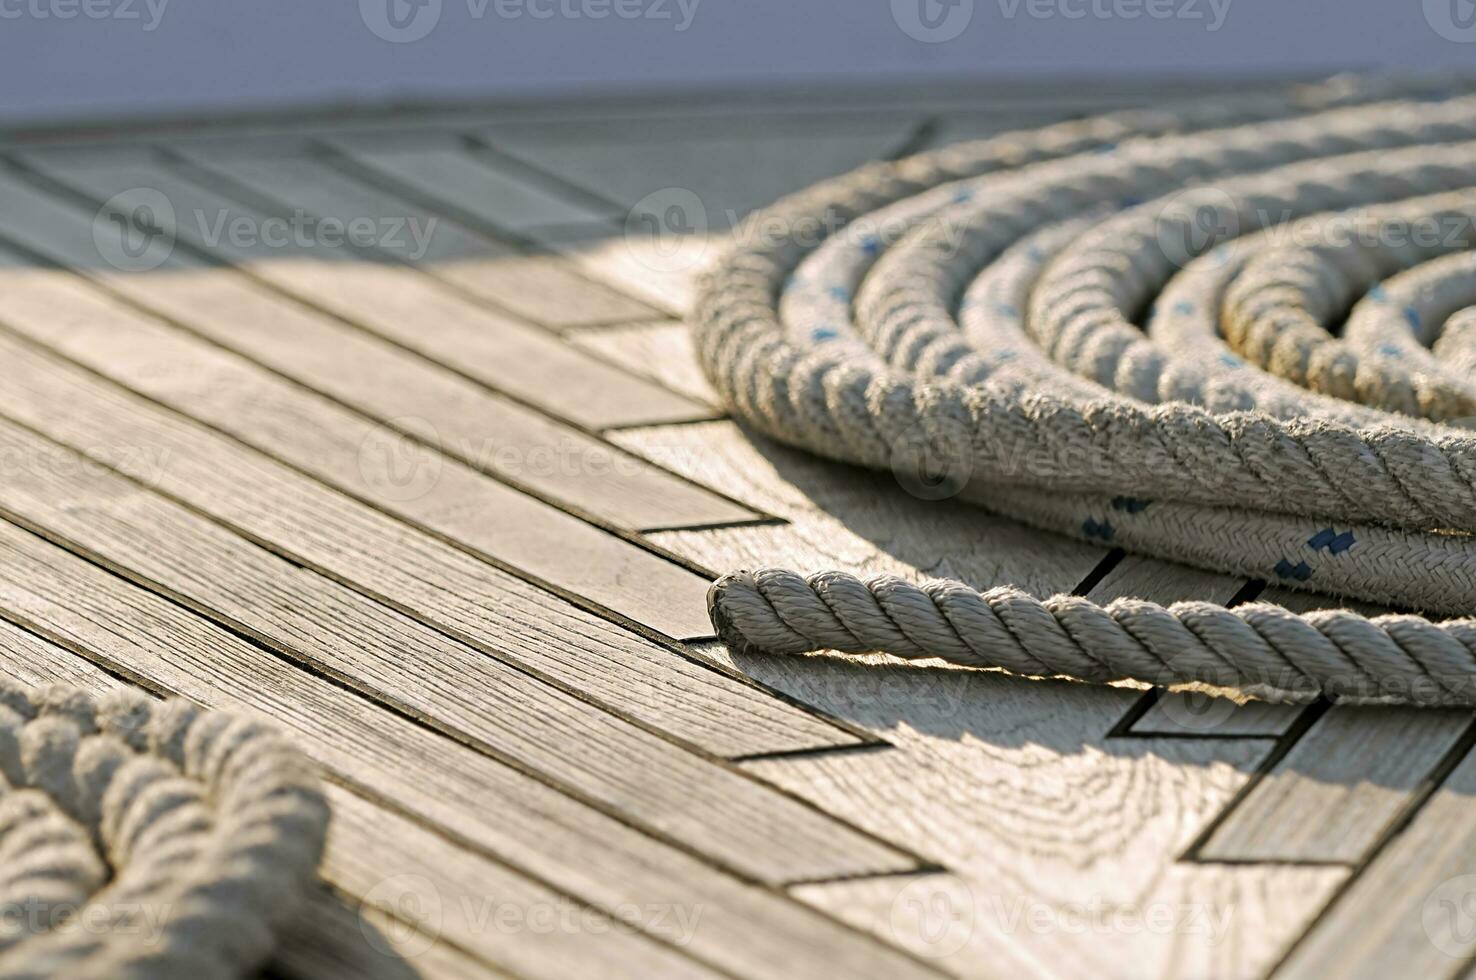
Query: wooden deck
{"x": 443, "y": 504}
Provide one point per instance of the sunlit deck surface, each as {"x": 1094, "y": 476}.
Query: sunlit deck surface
{"x": 385, "y": 427}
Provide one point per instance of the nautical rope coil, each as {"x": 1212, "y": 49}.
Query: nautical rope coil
{"x": 1239, "y": 336}
{"x": 146, "y": 840}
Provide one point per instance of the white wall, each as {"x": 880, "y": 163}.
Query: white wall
{"x": 92, "y": 58}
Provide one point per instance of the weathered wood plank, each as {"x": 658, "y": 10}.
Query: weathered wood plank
{"x": 398, "y": 303}
{"x": 1197, "y": 921}
{"x": 506, "y": 440}
{"x": 479, "y": 700}
{"x": 476, "y": 802}
{"x": 444, "y": 169}
{"x": 660, "y": 268}
{"x": 332, "y": 939}
{"x": 844, "y": 517}
{"x": 1339, "y": 788}
{"x": 399, "y": 867}
{"x": 1164, "y": 582}
{"x": 312, "y": 525}
{"x": 1411, "y": 912}
{"x": 722, "y": 177}
{"x": 541, "y": 288}
{"x": 1009, "y": 784}
{"x": 662, "y": 350}
{"x": 1214, "y": 713}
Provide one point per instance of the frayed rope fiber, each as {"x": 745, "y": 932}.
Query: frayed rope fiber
{"x": 1232, "y": 334}
{"x": 146, "y": 840}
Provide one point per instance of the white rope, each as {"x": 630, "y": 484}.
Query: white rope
{"x": 146, "y": 841}
{"x": 976, "y": 317}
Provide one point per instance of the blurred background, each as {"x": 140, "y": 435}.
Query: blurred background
{"x": 91, "y": 60}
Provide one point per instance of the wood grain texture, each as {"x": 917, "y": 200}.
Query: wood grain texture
{"x": 474, "y": 801}
{"x": 399, "y": 867}
{"x": 1009, "y": 785}
{"x": 379, "y": 462}
{"x": 403, "y": 870}
{"x": 661, "y": 270}
{"x": 398, "y": 303}
{"x": 541, "y": 288}
{"x": 523, "y": 447}
{"x": 335, "y": 939}
{"x": 1164, "y": 582}
{"x": 1197, "y": 921}
{"x": 726, "y": 176}
{"x": 1412, "y": 911}
{"x": 1339, "y": 788}
{"x": 663, "y": 351}
{"x": 312, "y": 525}
{"x": 843, "y": 517}
{"x": 443, "y": 168}
{"x": 455, "y": 688}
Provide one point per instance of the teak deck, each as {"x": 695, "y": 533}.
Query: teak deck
{"x": 445, "y": 510}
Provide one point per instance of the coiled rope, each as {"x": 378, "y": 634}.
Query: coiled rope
{"x": 1238, "y": 336}
{"x": 146, "y": 840}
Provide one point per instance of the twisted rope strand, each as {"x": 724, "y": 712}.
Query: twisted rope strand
{"x": 976, "y": 314}
{"x": 1258, "y": 647}
{"x": 146, "y": 840}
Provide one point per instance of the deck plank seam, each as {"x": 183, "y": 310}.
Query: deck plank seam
{"x": 213, "y": 179}
{"x": 305, "y": 662}
{"x": 155, "y": 689}
{"x": 381, "y": 699}
{"x": 61, "y": 189}
{"x": 524, "y": 242}
{"x": 49, "y": 185}
{"x": 1429, "y": 784}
